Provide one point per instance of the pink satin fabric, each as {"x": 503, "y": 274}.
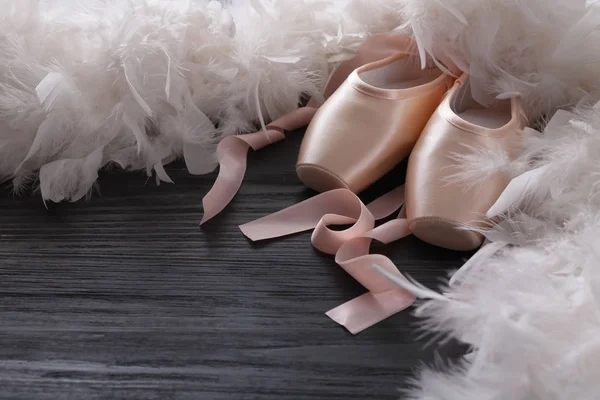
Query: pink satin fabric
{"x": 350, "y": 246}
{"x": 232, "y": 152}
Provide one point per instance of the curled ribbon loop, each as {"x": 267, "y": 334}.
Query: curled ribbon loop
{"x": 330, "y": 241}
{"x": 232, "y": 152}
{"x": 351, "y": 247}
{"x": 384, "y": 297}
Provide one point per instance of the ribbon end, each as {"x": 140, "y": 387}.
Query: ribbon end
{"x": 367, "y": 310}
{"x": 210, "y": 211}
{"x": 249, "y": 233}
{"x": 339, "y": 319}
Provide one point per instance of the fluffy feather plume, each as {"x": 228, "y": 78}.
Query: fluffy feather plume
{"x": 87, "y": 82}
{"x": 531, "y": 312}
{"x": 546, "y": 51}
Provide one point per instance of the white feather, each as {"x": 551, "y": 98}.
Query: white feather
{"x": 79, "y": 75}
{"x": 136, "y": 95}
{"x": 199, "y": 159}
{"x": 285, "y": 60}
{"x": 161, "y": 174}
{"x": 525, "y": 47}
{"x": 77, "y": 176}
{"x": 49, "y": 89}
{"x": 518, "y": 189}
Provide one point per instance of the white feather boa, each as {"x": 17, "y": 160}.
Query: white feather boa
{"x": 87, "y": 82}
{"x": 531, "y": 312}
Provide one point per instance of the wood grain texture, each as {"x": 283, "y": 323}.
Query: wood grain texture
{"x": 125, "y": 297}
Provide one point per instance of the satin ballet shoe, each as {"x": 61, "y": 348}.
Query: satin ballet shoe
{"x": 232, "y": 150}
{"x": 370, "y": 123}
{"x": 438, "y": 205}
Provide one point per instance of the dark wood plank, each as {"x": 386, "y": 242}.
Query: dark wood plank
{"x": 125, "y": 297}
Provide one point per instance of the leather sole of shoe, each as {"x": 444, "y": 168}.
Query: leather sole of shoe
{"x": 445, "y": 233}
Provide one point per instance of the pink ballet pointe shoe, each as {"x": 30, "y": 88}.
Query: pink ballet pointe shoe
{"x": 370, "y": 124}
{"x": 232, "y": 150}
{"x": 439, "y": 206}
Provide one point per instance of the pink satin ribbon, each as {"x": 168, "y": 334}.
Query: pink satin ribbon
{"x": 350, "y": 246}
{"x": 232, "y": 152}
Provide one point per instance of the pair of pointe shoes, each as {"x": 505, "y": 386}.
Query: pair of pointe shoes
{"x": 391, "y": 109}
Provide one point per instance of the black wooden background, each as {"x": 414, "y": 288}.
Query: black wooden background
{"x": 125, "y": 297}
